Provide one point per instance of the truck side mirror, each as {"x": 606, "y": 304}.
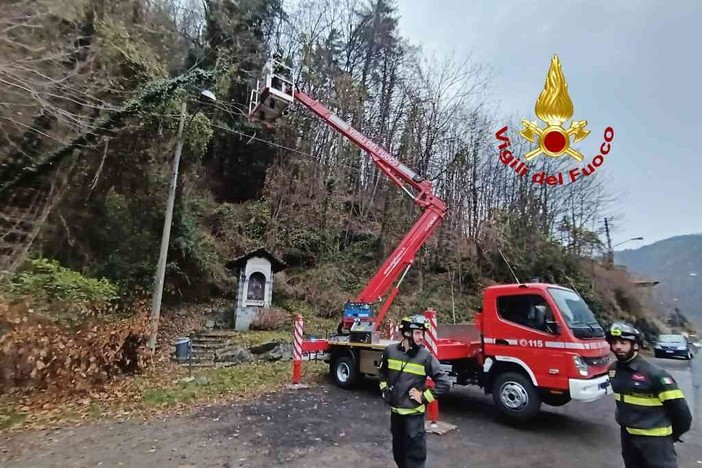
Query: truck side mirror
{"x": 553, "y": 327}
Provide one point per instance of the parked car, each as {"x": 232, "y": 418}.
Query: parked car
{"x": 673, "y": 346}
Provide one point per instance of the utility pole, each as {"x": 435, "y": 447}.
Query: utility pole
{"x": 205, "y": 96}
{"x": 161, "y": 269}
{"x": 610, "y": 252}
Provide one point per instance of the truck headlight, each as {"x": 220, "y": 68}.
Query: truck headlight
{"x": 581, "y": 365}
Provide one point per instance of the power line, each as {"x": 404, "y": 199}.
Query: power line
{"x": 277, "y": 145}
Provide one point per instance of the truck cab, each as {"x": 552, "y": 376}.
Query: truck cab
{"x": 541, "y": 343}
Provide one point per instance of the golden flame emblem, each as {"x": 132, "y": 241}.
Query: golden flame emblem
{"x": 554, "y": 107}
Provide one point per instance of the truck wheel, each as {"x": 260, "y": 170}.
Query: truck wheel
{"x": 515, "y": 396}
{"x": 344, "y": 372}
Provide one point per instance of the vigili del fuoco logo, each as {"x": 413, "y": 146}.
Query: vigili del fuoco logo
{"x": 553, "y": 108}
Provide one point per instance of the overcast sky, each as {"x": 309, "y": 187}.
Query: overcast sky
{"x": 634, "y": 65}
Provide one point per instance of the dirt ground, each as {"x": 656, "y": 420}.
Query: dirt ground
{"x": 326, "y": 426}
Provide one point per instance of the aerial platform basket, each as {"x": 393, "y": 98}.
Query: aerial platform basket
{"x": 273, "y": 94}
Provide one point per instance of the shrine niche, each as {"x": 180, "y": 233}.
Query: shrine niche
{"x": 256, "y": 287}
{"x": 255, "y": 272}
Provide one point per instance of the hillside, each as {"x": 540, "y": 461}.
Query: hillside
{"x": 675, "y": 262}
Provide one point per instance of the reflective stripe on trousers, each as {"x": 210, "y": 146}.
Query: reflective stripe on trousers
{"x": 405, "y": 411}
{"x": 657, "y": 431}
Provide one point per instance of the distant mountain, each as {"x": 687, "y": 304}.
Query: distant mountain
{"x": 675, "y": 262}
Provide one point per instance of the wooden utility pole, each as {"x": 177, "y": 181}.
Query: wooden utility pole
{"x": 161, "y": 269}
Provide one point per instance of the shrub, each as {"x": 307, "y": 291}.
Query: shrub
{"x": 61, "y": 291}
{"x": 270, "y": 319}
{"x": 38, "y": 354}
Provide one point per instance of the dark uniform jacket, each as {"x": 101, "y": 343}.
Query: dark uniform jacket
{"x": 648, "y": 400}
{"x": 401, "y": 371}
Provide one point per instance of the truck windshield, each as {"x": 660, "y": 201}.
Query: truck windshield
{"x": 576, "y": 313}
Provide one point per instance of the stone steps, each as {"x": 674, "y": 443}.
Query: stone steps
{"x": 215, "y": 348}
{"x": 206, "y": 346}
{"x": 216, "y": 334}
{"x": 209, "y": 364}
{"x": 208, "y": 340}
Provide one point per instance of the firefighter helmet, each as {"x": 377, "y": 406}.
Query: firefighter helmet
{"x": 623, "y": 331}
{"x": 413, "y": 322}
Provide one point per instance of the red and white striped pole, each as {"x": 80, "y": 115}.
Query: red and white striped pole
{"x": 297, "y": 349}
{"x": 431, "y": 339}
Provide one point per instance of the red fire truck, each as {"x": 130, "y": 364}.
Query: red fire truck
{"x": 530, "y": 344}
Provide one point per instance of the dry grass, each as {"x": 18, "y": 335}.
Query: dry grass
{"x": 166, "y": 390}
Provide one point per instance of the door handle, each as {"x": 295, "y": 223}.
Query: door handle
{"x": 500, "y": 341}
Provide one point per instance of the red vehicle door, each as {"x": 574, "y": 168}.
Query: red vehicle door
{"x": 520, "y": 328}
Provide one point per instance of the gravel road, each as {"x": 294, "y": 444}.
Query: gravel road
{"x": 327, "y": 426}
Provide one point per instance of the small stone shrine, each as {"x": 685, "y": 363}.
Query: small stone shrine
{"x": 255, "y": 272}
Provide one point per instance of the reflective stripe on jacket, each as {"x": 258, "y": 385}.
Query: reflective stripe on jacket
{"x": 648, "y": 399}
{"x": 403, "y": 371}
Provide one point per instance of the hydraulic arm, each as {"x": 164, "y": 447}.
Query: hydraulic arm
{"x": 270, "y": 102}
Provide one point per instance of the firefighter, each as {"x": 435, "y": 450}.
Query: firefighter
{"x": 403, "y": 373}
{"x": 651, "y": 409}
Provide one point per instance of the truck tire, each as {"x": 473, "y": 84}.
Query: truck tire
{"x": 515, "y": 396}
{"x": 344, "y": 372}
